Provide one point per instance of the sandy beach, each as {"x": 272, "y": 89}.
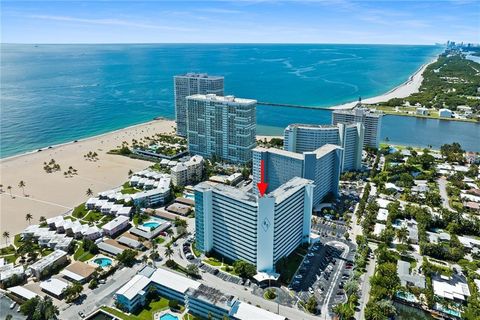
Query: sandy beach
{"x": 51, "y": 194}
{"x": 412, "y": 85}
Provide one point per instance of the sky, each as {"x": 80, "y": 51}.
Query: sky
{"x": 260, "y": 21}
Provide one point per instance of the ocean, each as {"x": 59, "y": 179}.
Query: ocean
{"x": 52, "y": 94}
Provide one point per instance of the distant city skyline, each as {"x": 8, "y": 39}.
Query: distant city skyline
{"x": 329, "y": 21}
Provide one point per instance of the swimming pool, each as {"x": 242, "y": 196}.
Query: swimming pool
{"x": 103, "y": 262}
{"x": 168, "y": 316}
{"x": 189, "y": 196}
{"x": 151, "y": 224}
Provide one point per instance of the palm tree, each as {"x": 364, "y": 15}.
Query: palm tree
{"x": 42, "y": 219}
{"x": 6, "y": 235}
{"x": 22, "y": 185}
{"x": 89, "y": 192}
{"x": 9, "y": 188}
{"x": 1, "y": 188}
{"x": 169, "y": 252}
{"x": 402, "y": 234}
{"x": 130, "y": 172}
{"x": 28, "y": 217}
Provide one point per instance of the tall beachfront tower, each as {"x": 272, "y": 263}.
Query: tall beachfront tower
{"x": 261, "y": 230}
{"x": 223, "y": 127}
{"x": 187, "y": 85}
{"x": 321, "y": 166}
{"x": 306, "y": 138}
{"x": 371, "y": 120}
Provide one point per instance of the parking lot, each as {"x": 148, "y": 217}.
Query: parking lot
{"x": 325, "y": 269}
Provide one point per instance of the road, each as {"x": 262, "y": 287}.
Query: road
{"x": 365, "y": 288}
{"x": 103, "y": 295}
{"x": 442, "y": 185}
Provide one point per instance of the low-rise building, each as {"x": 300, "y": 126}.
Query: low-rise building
{"x": 115, "y": 226}
{"x": 58, "y": 257}
{"x": 54, "y": 287}
{"x": 422, "y": 111}
{"x": 9, "y": 270}
{"x": 445, "y": 113}
{"x": 78, "y": 271}
{"x": 453, "y": 288}
{"x": 111, "y": 247}
{"x": 408, "y": 279}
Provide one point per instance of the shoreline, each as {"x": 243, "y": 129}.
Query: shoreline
{"x": 403, "y": 90}
{"x": 411, "y": 85}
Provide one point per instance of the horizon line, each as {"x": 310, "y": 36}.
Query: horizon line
{"x": 214, "y": 43}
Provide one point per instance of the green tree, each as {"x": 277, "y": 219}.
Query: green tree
{"x": 28, "y": 217}
{"x": 73, "y": 291}
{"x": 311, "y": 305}
{"x": 402, "y": 234}
{"x": 244, "y": 269}
{"x": 22, "y": 185}
{"x": 127, "y": 257}
{"x": 39, "y": 309}
{"x": 6, "y": 236}
{"x": 169, "y": 252}
{"x": 192, "y": 270}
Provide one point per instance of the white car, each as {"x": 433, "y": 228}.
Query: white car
{"x": 310, "y": 290}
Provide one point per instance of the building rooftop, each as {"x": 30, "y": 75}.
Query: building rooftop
{"x": 245, "y": 311}
{"x": 228, "y": 191}
{"x": 23, "y": 292}
{"x": 133, "y": 287}
{"x": 280, "y": 152}
{"x": 323, "y": 150}
{"x": 221, "y": 99}
{"x": 212, "y": 296}
{"x": 54, "y": 286}
{"x": 451, "y": 288}
{"x": 78, "y": 271}
{"x": 403, "y": 270}
{"x": 111, "y": 225}
{"x": 198, "y": 75}
{"x": 173, "y": 280}
{"x": 289, "y": 188}
{"x": 48, "y": 260}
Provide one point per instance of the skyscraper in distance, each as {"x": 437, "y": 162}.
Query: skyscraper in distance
{"x": 221, "y": 127}
{"x": 190, "y": 84}
{"x": 371, "y": 120}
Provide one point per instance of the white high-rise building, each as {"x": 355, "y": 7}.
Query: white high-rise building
{"x": 306, "y": 138}
{"x": 371, "y": 120}
{"x": 321, "y": 166}
{"x": 260, "y": 230}
{"x": 223, "y": 127}
{"x": 187, "y": 85}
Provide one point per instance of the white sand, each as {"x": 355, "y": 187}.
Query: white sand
{"x": 51, "y": 194}
{"x": 412, "y": 85}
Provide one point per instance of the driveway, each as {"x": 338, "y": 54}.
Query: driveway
{"x": 442, "y": 185}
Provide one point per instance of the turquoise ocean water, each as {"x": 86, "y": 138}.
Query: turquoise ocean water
{"x": 52, "y": 94}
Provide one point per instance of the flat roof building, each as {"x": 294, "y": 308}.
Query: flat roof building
{"x": 54, "y": 287}
{"x": 372, "y": 122}
{"x": 116, "y": 225}
{"x": 222, "y": 127}
{"x": 57, "y": 257}
{"x": 302, "y": 138}
{"x": 189, "y": 84}
{"x": 78, "y": 271}
{"x": 260, "y": 230}
{"x": 322, "y": 166}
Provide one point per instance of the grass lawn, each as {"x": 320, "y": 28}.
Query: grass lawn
{"x": 80, "y": 211}
{"x": 292, "y": 263}
{"x": 127, "y": 189}
{"x": 17, "y": 240}
{"x": 81, "y": 255}
{"x": 46, "y": 252}
{"x": 188, "y": 316}
{"x": 159, "y": 240}
{"x": 213, "y": 262}
{"x": 119, "y": 314}
{"x": 7, "y": 250}
{"x": 195, "y": 251}
{"x": 10, "y": 258}
{"x": 232, "y": 272}
{"x": 70, "y": 218}
{"x": 93, "y": 216}
{"x": 106, "y": 218}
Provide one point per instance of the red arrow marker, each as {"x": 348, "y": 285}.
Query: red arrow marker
{"x": 262, "y": 185}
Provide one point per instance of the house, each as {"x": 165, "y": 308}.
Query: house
{"x": 378, "y": 229}
{"x": 422, "y": 111}
{"x": 115, "y": 226}
{"x": 111, "y": 247}
{"x": 9, "y": 270}
{"x": 382, "y": 214}
{"x": 445, "y": 113}
{"x": 78, "y": 271}
{"x": 22, "y": 293}
{"x": 129, "y": 242}
{"x": 56, "y": 258}
{"x": 453, "y": 288}
{"x": 472, "y": 157}
{"x": 54, "y": 287}
{"x": 408, "y": 279}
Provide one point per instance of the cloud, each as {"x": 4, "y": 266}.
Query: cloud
{"x": 109, "y": 22}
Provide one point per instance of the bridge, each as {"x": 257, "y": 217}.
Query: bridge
{"x": 346, "y": 106}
